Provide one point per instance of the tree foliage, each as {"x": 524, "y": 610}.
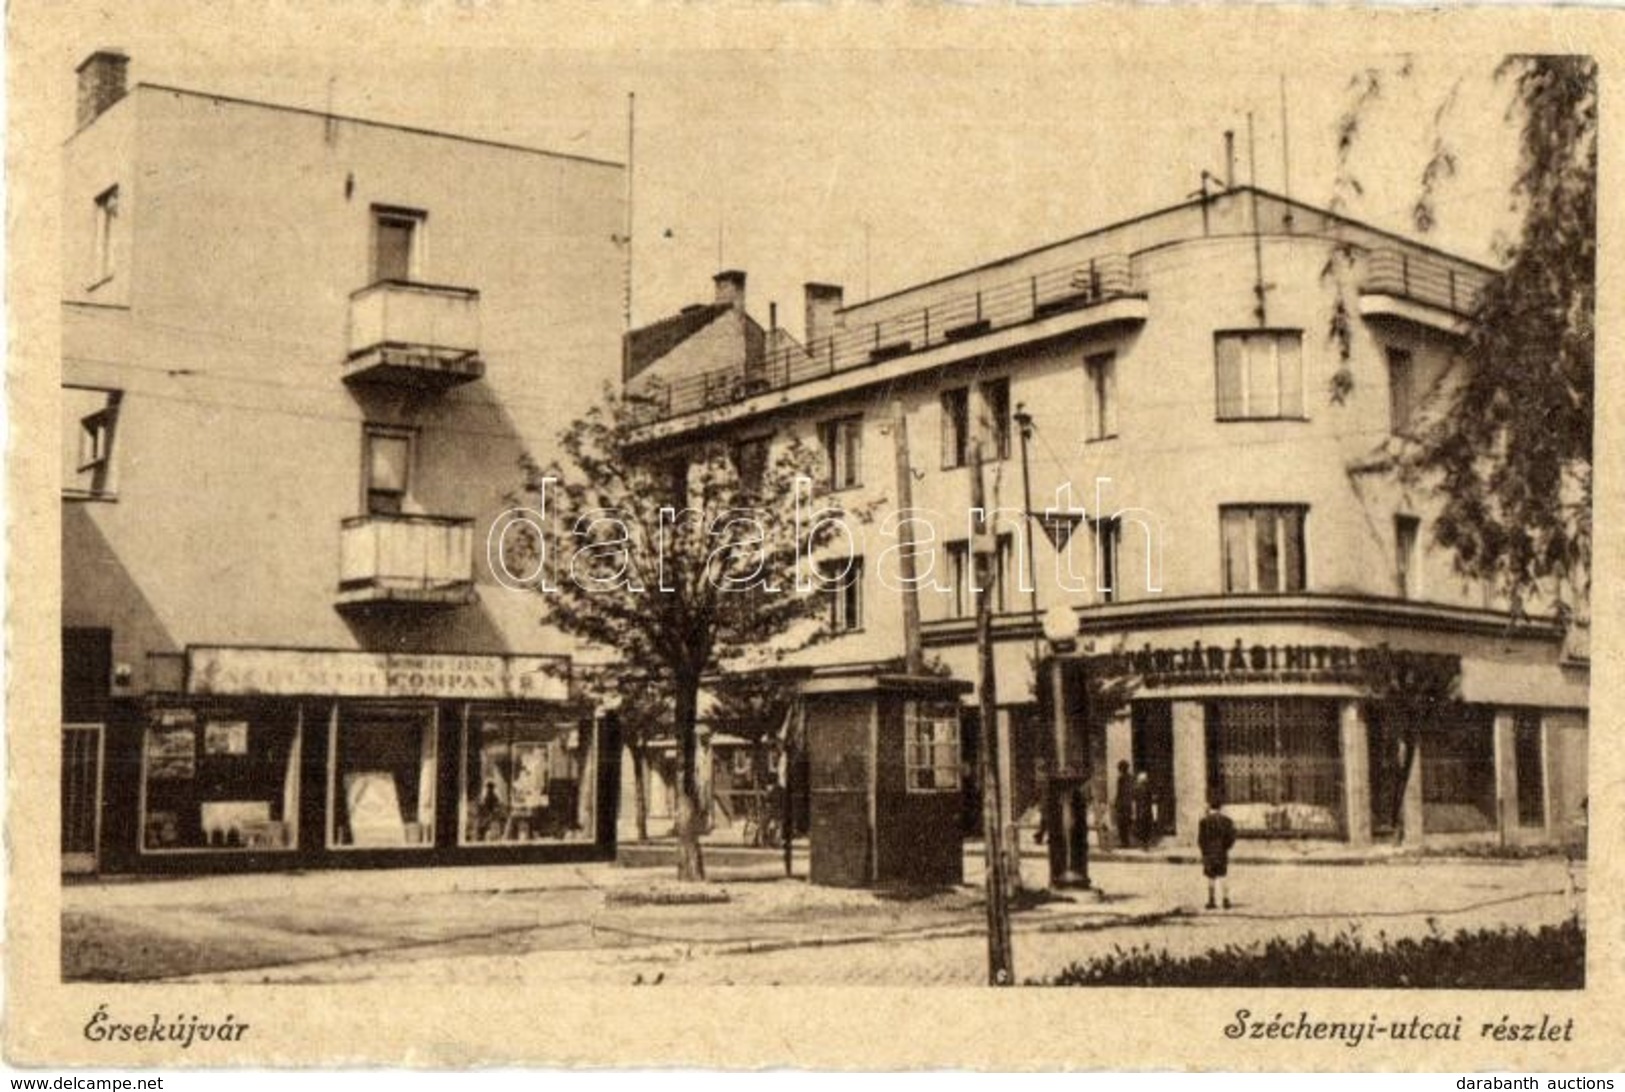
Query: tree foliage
{"x": 676, "y": 563}
{"x": 1510, "y": 452}
{"x": 1513, "y": 458}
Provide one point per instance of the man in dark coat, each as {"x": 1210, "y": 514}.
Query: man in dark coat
{"x": 1123, "y": 805}
{"x": 1215, "y": 834}
{"x": 1144, "y": 817}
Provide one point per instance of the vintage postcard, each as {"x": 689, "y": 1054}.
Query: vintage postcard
{"x": 745, "y": 534}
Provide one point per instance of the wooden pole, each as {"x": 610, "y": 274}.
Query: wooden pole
{"x": 913, "y": 650}
{"x": 1000, "y": 959}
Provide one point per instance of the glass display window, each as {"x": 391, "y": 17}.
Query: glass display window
{"x": 220, "y": 779}
{"x": 525, "y": 780}
{"x": 381, "y": 779}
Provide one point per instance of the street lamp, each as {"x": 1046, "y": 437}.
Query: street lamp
{"x": 1024, "y": 425}
{"x": 1064, "y": 811}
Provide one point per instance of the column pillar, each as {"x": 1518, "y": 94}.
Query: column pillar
{"x": 1506, "y": 776}
{"x": 1190, "y": 769}
{"x": 1356, "y": 773}
{"x": 1412, "y": 800}
{"x": 1119, "y": 745}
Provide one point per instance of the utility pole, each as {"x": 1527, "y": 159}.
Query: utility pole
{"x": 1000, "y": 959}
{"x": 913, "y": 651}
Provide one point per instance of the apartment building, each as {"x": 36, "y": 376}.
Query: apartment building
{"x": 1187, "y": 421}
{"x": 303, "y": 355}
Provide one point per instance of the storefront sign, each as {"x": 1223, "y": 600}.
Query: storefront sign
{"x": 293, "y": 672}
{"x": 1238, "y": 664}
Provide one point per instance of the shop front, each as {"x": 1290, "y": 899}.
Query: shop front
{"x": 272, "y": 758}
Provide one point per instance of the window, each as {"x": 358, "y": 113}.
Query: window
{"x": 106, "y": 223}
{"x": 89, "y": 426}
{"x": 1108, "y": 534}
{"x": 525, "y": 780}
{"x": 381, "y": 780}
{"x": 955, "y": 427}
{"x": 931, "y": 747}
{"x": 397, "y": 237}
{"x": 1528, "y": 768}
{"x": 388, "y": 470}
{"x": 1260, "y": 374}
{"x": 1400, "y": 391}
{"x": 842, "y": 439}
{"x": 1102, "y": 371}
{"x": 220, "y": 779}
{"x": 1263, "y": 548}
{"x": 1277, "y": 762}
{"x": 1407, "y": 555}
{"x": 962, "y": 572}
{"x": 996, "y": 398}
{"x": 842, "y": 581}
{"x": 750, "y": 461}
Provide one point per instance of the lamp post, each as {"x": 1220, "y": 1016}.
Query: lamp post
{"x": 1069, "y": 836}
{"x": 1024, "y": 424}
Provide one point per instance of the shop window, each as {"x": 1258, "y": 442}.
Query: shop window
{"x": 381, "y": 781}
{"x": 389, "y": 470}
{"x": 397, "y": 242}
{"x": 1263, "y": 548}
{"x": 1458, "y": 774}
{"x": 1407, "y": 556}
{"x": 1102, "y": 372}
{"x": 525, "y": 780}
{"x": 1260, "y": 374}
{"x": 1529, "y": 769}
{"x": 1278, "y": 764}
{"x": 89, "y": 427}
{"x": 931, "y": 747}
{"x": 842, "y": 581}
{"x": 842, "y": 441}
{"x": 955, "y": 427}
{"x": 1401, "y": 392}
{"x": 106, "y": 237}
{"x": 996, "y": 401}
{"x": 220, "y": 780}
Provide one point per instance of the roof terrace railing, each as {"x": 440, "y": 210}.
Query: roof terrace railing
{"x": 1454, "y": 286}
{"x": 963, "y": 317}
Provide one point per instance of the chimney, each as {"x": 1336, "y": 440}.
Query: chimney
{"x": 1229, "y": 159}
{"x": 731, "y": 288}
{"x": 101, "y": 83}
{"x": 823, "y": 300}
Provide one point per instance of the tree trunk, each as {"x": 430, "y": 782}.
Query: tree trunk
{"x": 1407, "y": 745}
{"x": 690, "y": 816}
{"x": 640, "y": 790}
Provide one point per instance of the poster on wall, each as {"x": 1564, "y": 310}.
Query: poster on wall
{"x": 225, "y": 737}
{"x": 530, "y": 775}
{"x": 171, "y": 754}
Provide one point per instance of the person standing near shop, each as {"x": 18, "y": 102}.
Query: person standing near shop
{"x": 1144, "y": 819}
{"x": 1123, "y": 805}
{"x": 1215, "y": 834}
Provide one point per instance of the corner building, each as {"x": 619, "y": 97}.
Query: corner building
{"x": 1215, "y": 391}
{"x": 303, "y": 355}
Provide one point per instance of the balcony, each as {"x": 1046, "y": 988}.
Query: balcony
{"x": 406, "y": 560}
{"x": 1093, "y": 292}
{"x": 1421, "y": 288}
{"x": 423, "y": 336}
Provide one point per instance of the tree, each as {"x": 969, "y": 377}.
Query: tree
{"x": 1510, "y": 452}
{"x": 673, "y": 560}
{"x": 1411, "y": 694}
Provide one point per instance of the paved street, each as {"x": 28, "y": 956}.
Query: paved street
{"x": 601, "y": 923}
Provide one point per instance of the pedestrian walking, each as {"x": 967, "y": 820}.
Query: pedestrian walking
{"x": 1143, "y": 809}
{"x": 1215, "y": 834}
{"x": 1123, "y": 805}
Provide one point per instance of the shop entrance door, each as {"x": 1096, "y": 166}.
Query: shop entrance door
{"x": 1153, "y": 752}
{"x": 81, "y": 796}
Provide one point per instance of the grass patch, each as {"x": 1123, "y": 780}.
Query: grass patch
{"x": 691, "y": 894}
{"x": 1553, "y": 958}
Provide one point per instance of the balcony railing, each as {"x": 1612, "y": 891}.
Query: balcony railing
{"x": 417, "y": 335}
{"x": 965, "y": 317}
{"x": 427, "y": 560}
{"x": 1437, "y": 282}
